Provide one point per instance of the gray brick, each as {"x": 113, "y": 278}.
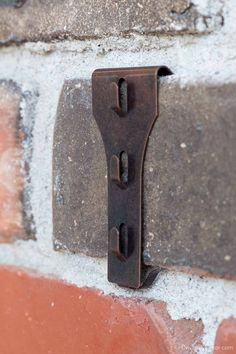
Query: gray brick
{"x": 189, "y": 178}
{"x": 47, "y": 20}
{"x": 190, "y": 190}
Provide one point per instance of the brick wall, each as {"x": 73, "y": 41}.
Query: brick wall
{"x": 55, "y": 297}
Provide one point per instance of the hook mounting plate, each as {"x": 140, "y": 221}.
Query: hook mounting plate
{"x": 125, "y": 106}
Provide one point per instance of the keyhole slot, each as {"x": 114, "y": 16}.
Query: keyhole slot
{"x": 123, "y": 95}
{"x": 124, "y": 173}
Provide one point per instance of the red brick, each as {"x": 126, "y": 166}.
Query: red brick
{"x": 11, "y": 173}
{"x": 45, "y": 316}
{"x": 226, "y": 337}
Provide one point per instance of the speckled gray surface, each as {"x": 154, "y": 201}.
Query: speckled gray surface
{"x": 79, "y": 175}
{"x": 47, "y": 20}
{"x": 189, "y": 178}
{"x": 190, "y": 175}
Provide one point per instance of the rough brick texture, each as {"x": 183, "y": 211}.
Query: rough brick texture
{"x": 11, "y": 172}
{"x": 46, "y": 19}
{"x": 189, "y": 178}
{"x": 190, "y": 190}
{"x": 225, "y": 342}
{"x": 189, "y": 204}
{"x": 48, "y": 316}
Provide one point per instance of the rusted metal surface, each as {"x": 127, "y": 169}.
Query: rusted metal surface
{"x": 189, "y": 178}
{"x": 125, "y": 106}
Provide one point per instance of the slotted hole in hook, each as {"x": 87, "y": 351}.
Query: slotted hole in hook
{"x": 124, "y": 170}
{"x": 123, "y": 99}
